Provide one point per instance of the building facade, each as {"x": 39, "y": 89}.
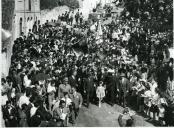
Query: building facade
{"x": 26, "y": 13}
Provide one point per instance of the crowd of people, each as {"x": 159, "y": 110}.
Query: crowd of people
{"x": 56, "y": 69}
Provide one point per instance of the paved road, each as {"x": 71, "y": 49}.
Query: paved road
{"x": 106, "y": 116}
{"x": 86, "y": 7}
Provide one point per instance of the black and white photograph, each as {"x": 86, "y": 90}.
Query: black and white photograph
{"x": 87, "y": 63}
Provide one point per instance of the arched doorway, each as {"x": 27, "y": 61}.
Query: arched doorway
{"x": 20, "y": 26}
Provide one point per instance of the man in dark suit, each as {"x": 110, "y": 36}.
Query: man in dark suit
{"x": 123, "y": 89}
{"x": 76, "y": 104}
{"x": 110, "y": 89}
{"x": 81, "y": 74}
{"x": 42, "y": 110}
{"x": 30, "y": 105}
{"x": 61, "y": 114}
{"x": 114, "y": 88}
{"x": 162, "y": 77}
{"x": 72, "y": 79}
{"x": 89, "y": 88}
{"x": 10, "y": 115}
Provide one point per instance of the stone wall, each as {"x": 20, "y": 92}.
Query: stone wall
{"x": 7, "y": 24}
{"x": 7, "y": 14}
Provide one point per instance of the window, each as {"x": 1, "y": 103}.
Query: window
{"x": 38, "y": 21}
{"x": 20, "y": 25}
{"x": 21, "y": 20}
{"x": 29, "y": 5}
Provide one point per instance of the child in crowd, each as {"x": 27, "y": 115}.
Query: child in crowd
{"x": 100, "y": 92}
{"x": 147, "y": 101}
{"x": 140, "y": 99}
{"x": 154, "y": 102}
{"x": 67, "y": 99}
{"x": 51, "y": 94}
{"x": 138, "y": 90}
{"x": 161, "y": 113}
{"x": 162, "y": 104}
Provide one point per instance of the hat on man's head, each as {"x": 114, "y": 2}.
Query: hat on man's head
{"x": 137, "y": 75}
{"x": 122, "y": 74}
{"x": 163, "y": 101}
{"x": 66, "y": 79}
{"x": 111, "y": 71}
{"x": 105, "y": 69}
{"x": 165, "y": 61}
{"x": 143, "y": 80}
{"x": 126, "y": 110}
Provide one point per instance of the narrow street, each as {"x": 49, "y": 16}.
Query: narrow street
{"x": 60, "y": 56}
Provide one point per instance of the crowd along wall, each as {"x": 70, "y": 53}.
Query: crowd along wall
{"x": 17, "y": 16}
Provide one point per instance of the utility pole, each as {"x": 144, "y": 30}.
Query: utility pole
{"x": 24, "y": 19}
{"x": 34, "y": 10}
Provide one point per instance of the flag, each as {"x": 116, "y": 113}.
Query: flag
{"x": 99, "y": 34}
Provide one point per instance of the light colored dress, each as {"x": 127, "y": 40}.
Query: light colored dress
{"x": 161, "y": 112}
{"x": 147, "y": 98}
{"x": 100, "y": 92}
{"x": 68, "y": 101}
{"x": 27, "y": 82}
{"x": 153, "y": 86}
